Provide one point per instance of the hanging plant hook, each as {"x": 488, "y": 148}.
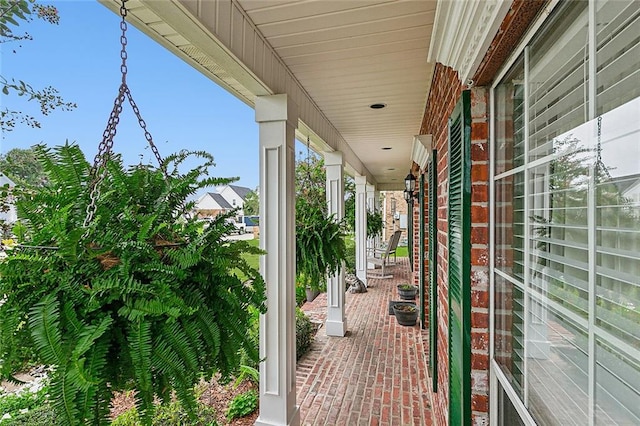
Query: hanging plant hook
{"x": 98, "y": 171}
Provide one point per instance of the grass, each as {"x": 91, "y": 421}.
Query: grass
{"x": 253, "y": 259}
{"x": 402, "y": 251}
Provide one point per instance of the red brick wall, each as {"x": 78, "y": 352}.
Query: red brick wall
{"x": 445, "y": 92}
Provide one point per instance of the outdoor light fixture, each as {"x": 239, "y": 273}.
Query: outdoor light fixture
{"x": 409, "y": 187}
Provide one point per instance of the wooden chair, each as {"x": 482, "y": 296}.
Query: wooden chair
{"x": 381, "y": 256}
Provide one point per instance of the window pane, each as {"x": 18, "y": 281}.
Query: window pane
{"x": 618, "y": 265}
{"x": 507, "y": 414}
{"x": 618, "y": 53}
{"x": 557, "y": 82}
{"x": 509, "y": 331}
{"x": 557, "y": 368}
{"x": 558, "y": 244}
{"x": 509, "y": 122}
{"x": 617, "y": 386}
{"x": 509, "y": 225}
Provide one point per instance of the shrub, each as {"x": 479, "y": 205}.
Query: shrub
{"x": 301, "y": 294}
{"x": 169, "y": 414}
{"x": 304, "y": 333}
{"x": 243, "y": 405}
{"x": 42, "y": 415}
{"x": 12, "y": 404}
{"x": 350, "y": 255}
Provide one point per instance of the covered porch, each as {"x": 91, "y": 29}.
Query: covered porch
{"x": 352, "y": 80}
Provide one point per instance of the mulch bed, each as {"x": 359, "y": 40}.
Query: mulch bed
{"x": 215, "y": 395}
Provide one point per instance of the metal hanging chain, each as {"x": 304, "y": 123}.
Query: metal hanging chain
{"x": 98, "y": 172}
{"x": 600, "y": 167}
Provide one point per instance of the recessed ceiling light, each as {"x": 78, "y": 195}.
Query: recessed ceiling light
{"x": 386, "y": 148}
{"x": 377, "y": 106}
{"x": 391, "y": 169}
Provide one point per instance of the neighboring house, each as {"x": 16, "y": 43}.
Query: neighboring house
{"x": 234, "y": 195}
{"x": 211, "y": 204}
{"x": 11, "y": 215}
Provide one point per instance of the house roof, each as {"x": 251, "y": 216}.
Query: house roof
{"x": 220, "y": 200}
{"x": 240, "y": 190}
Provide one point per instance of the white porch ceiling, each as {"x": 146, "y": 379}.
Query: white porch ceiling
{"x": 335, "y": 57}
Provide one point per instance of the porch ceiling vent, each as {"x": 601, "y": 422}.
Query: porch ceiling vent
{"x": 421, "y": 150}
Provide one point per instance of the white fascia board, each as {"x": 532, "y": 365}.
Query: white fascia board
{"x": 421, "y": 150}
{"x": 463, "y": 31}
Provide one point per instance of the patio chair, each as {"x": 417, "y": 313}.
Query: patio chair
{"x": 381, "y": 256}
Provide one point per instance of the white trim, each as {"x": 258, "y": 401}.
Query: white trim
{"x": 421, "y": 150}
{"x": 475, "y": 24}
{"x": 526, "y": 248}
{"x": 510, "y": 172}
{"x": 509, "y": 278}
{"x": 492, "y": 224}
{"x": 511, "y": 394}
{"x": 591, "y": 221}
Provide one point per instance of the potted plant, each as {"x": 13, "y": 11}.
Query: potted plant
{"x": 138, "y": 297}
{"x": 406, "y": 313}
{"x": 407, "y": 291}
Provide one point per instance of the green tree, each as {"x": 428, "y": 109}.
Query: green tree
{"x": 11, "y": 13}
{"x": 251, "y": 205}
{"x": 350, "y": 203}
{"x": 22, "y": 167}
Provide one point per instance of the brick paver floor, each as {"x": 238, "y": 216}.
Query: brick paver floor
{"x": 376, "y": 374}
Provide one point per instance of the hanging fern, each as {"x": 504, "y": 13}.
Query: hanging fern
{"x": 375, "y": 223}
{"x": 320, "y": 245}
{"x": 143, "y": 298}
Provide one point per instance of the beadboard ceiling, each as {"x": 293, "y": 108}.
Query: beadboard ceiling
{"x": 341, "y": 55}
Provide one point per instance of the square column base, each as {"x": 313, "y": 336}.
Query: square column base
{"x": 336, "y": 328}
{"x": 294, "y": 420}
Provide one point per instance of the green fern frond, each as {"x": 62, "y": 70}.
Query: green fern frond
{"x": 44, "y": 321}
{"x": 63, "y": 397}
{"x": 89, "y": 334}
{"x": 140, "y": 349}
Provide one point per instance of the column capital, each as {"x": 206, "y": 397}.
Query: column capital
{"x": 276, "y": 108}
{"x": 333, "y": 158}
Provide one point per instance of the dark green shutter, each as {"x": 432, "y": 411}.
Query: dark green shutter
{"x": 421, "y": 250}
{"x": 460, "y": 262}
{"x": 433, "y": 269}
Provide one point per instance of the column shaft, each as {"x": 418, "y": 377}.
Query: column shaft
{"x": 336, "y": 324}
{"x": 277, "y": 118}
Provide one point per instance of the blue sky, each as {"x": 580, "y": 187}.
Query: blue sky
{"x": 81, "y": 58}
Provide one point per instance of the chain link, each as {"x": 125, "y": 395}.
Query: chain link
{"x": 99, "y": 171}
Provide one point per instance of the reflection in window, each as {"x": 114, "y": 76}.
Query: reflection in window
{"x": 567, "y": 219}
{"x": 509, "y": 123}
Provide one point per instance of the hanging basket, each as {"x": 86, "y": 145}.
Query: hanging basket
{"x": 127, "y": 292}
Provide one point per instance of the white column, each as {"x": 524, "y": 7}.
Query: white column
{"x": 336, "y": 324}
{"x": 361, "y": 228}
{"x": 277, "y": 118}
{"x": 371, "y": 206}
